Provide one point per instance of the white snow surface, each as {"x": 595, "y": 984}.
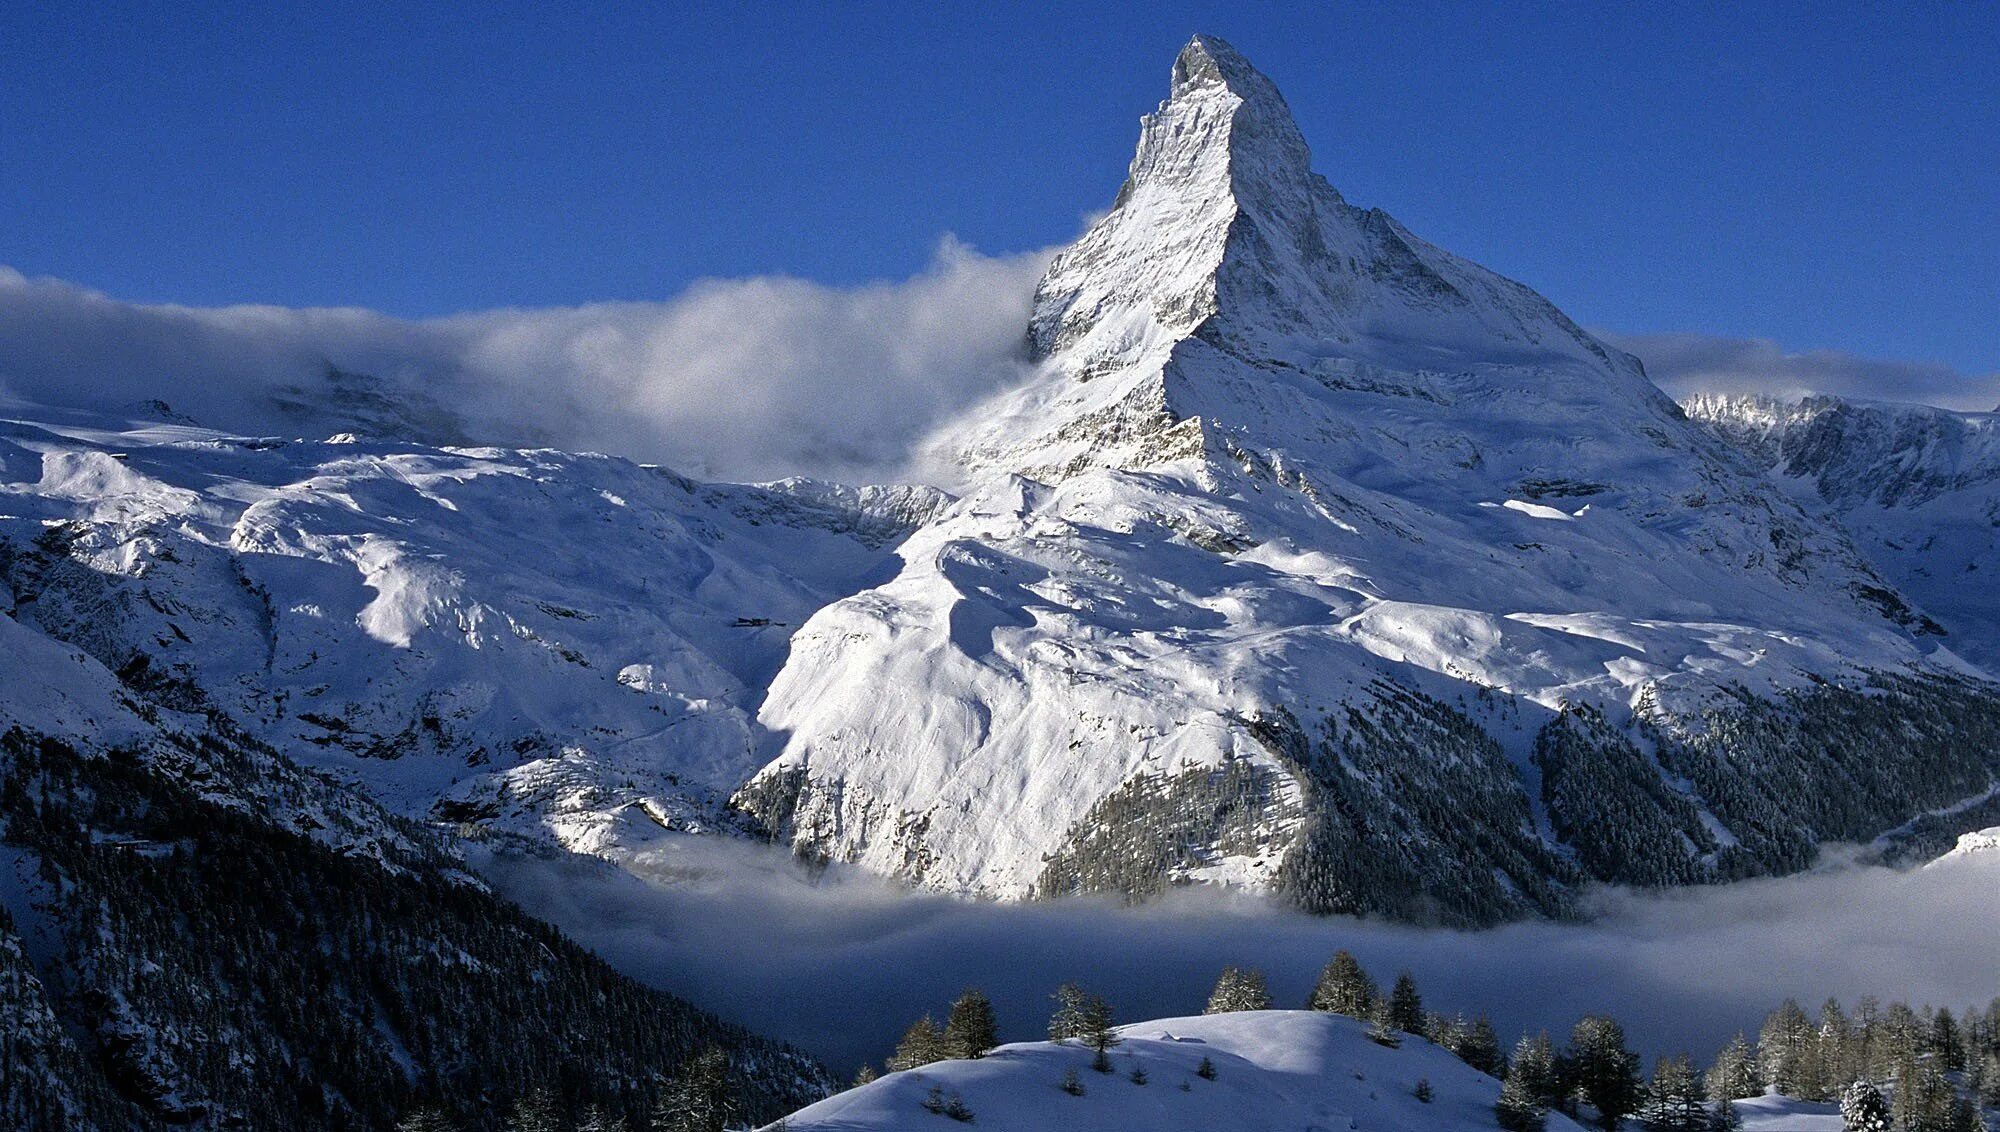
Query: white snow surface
{"x": 1289, "y": 1069}
{"x": 571, "y": 645}
{"x": 1279, "y": 449}
{"x": 1918, "y": 487}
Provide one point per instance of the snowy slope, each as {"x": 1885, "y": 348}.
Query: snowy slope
{"x": 567, "y": 645}
{"x": 1918, "y": 487}
{"x": 1274, "y": 1069}
{"x": 1292, "y": 556}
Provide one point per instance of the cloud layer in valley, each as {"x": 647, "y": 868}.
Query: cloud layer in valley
{"x": 840, "y": 965}
{"x": 734, "y": 379}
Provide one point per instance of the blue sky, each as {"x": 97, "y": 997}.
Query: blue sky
{"x": 1822, "y": 176}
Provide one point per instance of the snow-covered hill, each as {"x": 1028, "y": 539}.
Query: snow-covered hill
{"x": 1318, "y": 559}
{"x": 1273, "y": 1069}
{"x": 566, "y": 645}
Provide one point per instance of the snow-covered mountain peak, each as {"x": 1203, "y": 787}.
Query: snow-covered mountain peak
{"x": 1224, "y": 250}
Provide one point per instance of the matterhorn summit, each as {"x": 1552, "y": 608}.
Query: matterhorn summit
{"x": 1317, "y": 560}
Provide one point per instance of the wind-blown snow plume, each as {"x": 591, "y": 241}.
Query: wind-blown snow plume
{"x": 734, "y": 379}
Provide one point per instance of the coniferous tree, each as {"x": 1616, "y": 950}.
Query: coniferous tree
{"x": 1901, "y": 1032}
{"x": 1534, "y": 1065}
{"x": 1067, "y": 1021}
{"x": 1343, "y": 988}
{"x": 1832, "y": 1054}
{"x": 698, "y": 1098}
{"x": 1734, "y": 1074}
{"x": 1674, "y": 1101}
{"x": 1481, "y": 1048}
{"x": 1238, "y": 989}
{"x": 1406, "y": 1006}
{"x": 534, "y": 1112}
{"x": 1925, "y": 1100}
{"x": 1603, "y": 1072}
{"x": 597, "y": 1118}
{"x": 1786, "y": 1050}
{"x": 1206, "y": 1070}
{"x": 1523, "y": 1106}
{"x": 864, "y": 1075}
{"x": 1098, "y": 1031}
{"x": 971, "y": 1028}
{"x": 1944, "y": 1041}
{"x": 1862, "y": 1108}
{"x": 922, "y": 1044}
{"x": 1071, "y": 1083}
{"x": 1726, "y": 1118}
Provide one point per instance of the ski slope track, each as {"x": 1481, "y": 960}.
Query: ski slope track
{"x": 1319, "y": 560}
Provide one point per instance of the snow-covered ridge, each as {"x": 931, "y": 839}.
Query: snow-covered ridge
{"x": 1272, "y": 1069}
{"x": 565, "y": 645}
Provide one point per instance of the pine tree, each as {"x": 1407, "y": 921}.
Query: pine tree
{"x": 1067, "y": 1022}
{"x": 1862, "y": 1108}
{"x": 971, "y": 1028}
{"x": 698, "y": 1098}
{"x": 1734, "y": 1073}
{"x": 1343, "y": 988}
{"x": 1534, "y": 1066}
{"x": 1206, "y": 1070}
{"x": 1071, "y": 1083}
{"x": 1406, "y": 1006}
{"x": 1925, "y": 1100}
{"x": 534, "y": 1112}
{"x": 1674, "y": 1101}
{"x": 864, "y": 1075}
{"x": 1944, "y": 1042}
{"x": 597, "y": 1118}
{"x": 1098, "y": 1031}
{"x": 1481, "y": 1048}
{"x": 922, "y": 1044}
{"x": 1139, "y": 1075}
{"x": 1238, "y": 989}
{"x": 1726, "y": 1118}
{"x": 1832, "y": 1054}
{"x": 1522, "y": 1106}
{"x": 1786, "y": 1048}
{"x": 1603, "y": 1071}
{"x": 1423, "y": 1091}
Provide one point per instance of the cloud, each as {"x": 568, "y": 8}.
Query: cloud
{"x": 1694, "y": 363}
{"x": 734, "y": 379}
{"x": 840, "y": 963}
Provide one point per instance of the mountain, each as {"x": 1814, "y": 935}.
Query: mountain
{"x": 1318, "y": 560}
{"x": 196, "y": 932}
{"x": 570, "y": 648}
{"x": 1272, "y": 1069}
{"x": 1918, "y": 487}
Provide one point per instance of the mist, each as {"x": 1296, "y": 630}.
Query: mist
{"x": 734, "y": 379}
{"x": 840, "y": 963}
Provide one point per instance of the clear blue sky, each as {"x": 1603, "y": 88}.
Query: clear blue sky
{"x": 1827, "y": 177}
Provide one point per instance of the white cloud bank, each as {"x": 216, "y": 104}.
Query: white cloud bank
{"x": 734, "y": 379}
{"x": 840, "y": 966}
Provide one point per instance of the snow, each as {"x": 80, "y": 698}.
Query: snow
{"x": 570, "y": 646}
{"x": 1274, "y": 1069}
